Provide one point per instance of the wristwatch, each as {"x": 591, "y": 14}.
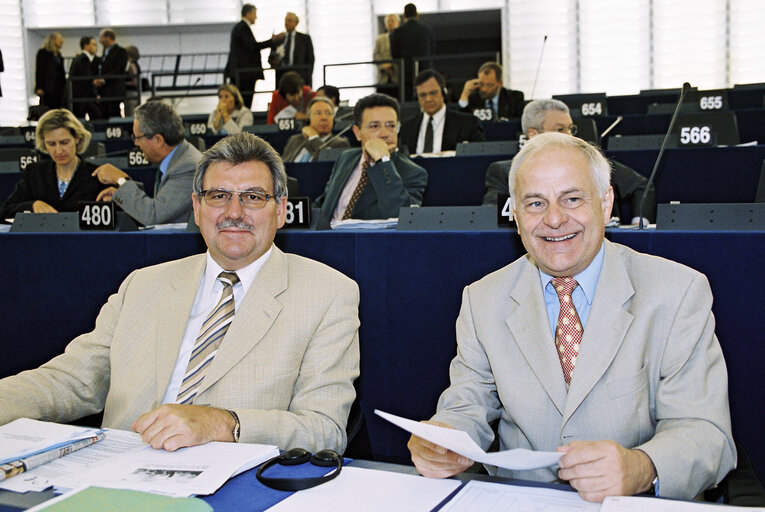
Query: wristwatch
{"x": 654, "y": 486}
{"x": 237, "y": 425}
{"x": 121, "y": 181}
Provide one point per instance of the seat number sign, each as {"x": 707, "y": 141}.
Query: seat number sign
{"x": 98, "y": 216}
{"x": 298, "y": 213}
{"x": 136, "y": 158}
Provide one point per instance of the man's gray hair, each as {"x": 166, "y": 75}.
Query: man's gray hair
{"x": 551, "y": 141}
{"x": 157, "y": 117}
{"x": 241, "y": 148}
{"x": 534, "y": 114}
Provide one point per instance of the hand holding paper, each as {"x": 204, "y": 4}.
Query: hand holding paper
{"x": 460, "y": 442}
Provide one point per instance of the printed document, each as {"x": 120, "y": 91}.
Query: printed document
{"x": 496, "y": 497}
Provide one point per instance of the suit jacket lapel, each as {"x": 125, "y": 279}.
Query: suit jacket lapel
{"x": 449, "y": 136}
{"x": 173, "y": 319}
{"x": 530, "y": 330}
{"x": 253, "y": 318}
{"x": 606, "y": 327}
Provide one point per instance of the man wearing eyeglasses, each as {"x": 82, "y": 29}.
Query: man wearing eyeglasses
{"x": 158, "y": 131}
{"x": 543, "y": 116}
{"x": 375, "y": 181}
{"x": 242, "y": 344}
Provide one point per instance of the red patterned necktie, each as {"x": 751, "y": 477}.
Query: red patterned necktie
{"x": 359, "y": 188}
{"x": 568, "y": 333}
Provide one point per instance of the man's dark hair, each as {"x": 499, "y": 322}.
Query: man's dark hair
{"x": 157, "y": 117}
{"x": 372, "y": 101}
{"x": 246, "y": 8}
{"x": 410, "y": 11}
{"x": 331, "y": 92}
{"x": 111, "y": 34}
{"x": 85, "y": 41}
{"x": 426, "y": 75}
{"x": 491, "y": 66}
{"x": 291, "y": 83}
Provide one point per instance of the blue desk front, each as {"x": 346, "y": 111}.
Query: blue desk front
{"x": 411, "y": 283}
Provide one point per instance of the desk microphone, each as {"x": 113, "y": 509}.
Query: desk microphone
{"x": 334, "y": 137}
{"x": 686, "y": 88}
{"x": 611, "y": 126}
{"x": 539, "y": 66}
{"x": 188, "y": 91}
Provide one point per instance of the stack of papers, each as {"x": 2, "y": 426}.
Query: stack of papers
{"x": 24, "y": 437}
{"x": 364, "y": 224}
{"x": 123, "y": 461}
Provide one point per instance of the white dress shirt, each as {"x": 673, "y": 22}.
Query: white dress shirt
{"x": 350, "y": 186}
{"x": 439, "y": 120}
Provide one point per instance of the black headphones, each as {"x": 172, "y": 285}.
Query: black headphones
{"x": 295, "y": 456}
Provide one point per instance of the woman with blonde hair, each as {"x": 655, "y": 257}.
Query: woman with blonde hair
{"x": 231, "y": 115}
{"x": 58, "y": 184}
{"x": 50, "y": 79}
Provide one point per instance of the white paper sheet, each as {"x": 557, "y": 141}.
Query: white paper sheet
{"x": 24, "y": 437}
{"x": 496, "y": 497}
{"x": 116, "y": 444}
{"x": 639, "y": 504}
{"x": 196, "y": 470}
{"x": 460, "y": 442}
{"x": 371, "y": 491}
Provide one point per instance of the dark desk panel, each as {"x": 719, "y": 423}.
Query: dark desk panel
{"x": 411, "y": 284}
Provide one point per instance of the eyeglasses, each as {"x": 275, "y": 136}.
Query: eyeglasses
{"x": 390, "y": 125}
{"x": 136, "y": 138}
{"x": 219, "y": 198}
{"x": 569, "y": 130}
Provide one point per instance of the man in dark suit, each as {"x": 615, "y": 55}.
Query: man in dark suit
{"x": 437, "y": 128}
{"x": 244, "y": 66}
{"x": 542, "y": 116}
{"x": 409, "y": 41}
{"x": 376, "y": 180}
{"x": 113, "y": 62}
{"x": 296, "y": 53}
{"x": 85, "y": 67}
{"x": 485, "y": 97}
{"x": 316, "y": 135}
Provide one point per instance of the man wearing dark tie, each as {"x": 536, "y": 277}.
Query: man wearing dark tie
{"x": 485, "y": 97}
{"x": 112, "y": 67}
{"x": 437, "y": 128}
{"x": 296, "y": 53}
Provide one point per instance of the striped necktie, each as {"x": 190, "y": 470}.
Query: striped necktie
{"x": 210, "y": 337}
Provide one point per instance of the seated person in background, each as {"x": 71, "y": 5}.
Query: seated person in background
{"x": 331, "y": 92}
{"x": 316, "y": 135}
{"x": 291, "y": 99}
{"x": 485, "y": 97}
{"x": 376, "y": 180}
{"x": 285, "y": 352}
{"x": 437, "y": 128}
{"x": 587, "y": 347}
{"x": 58, "y": 184}
{"x": 551, "y": 115}
{"x": 158, "y": 131}
{"x": 230, "y": 116}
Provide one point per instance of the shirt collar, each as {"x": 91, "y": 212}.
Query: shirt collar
{"x": 165, "y": 163}
{"x": 246, "y": 275}
{"x": 587, "y": 278}
{"x": 438, "y": 116}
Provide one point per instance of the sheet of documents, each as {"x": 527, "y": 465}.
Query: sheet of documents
{"x": 23, "y": 437}
{"x": 365, "y": 224}
{"x": 196, "y": 470}
{"x": 460, "y": 442}
{"x": 638, "y": 504}
{"x": 370, "y": 490}
{"x": 116, "y": 444}
{"x": 496, "y": 497}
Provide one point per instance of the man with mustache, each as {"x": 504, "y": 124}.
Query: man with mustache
{"x": 243, "y": 343}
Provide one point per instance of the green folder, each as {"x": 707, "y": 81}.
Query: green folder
{"x": 101, "y": 499}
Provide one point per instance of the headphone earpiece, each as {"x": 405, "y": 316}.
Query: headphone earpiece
{"x": 297, "y": 456}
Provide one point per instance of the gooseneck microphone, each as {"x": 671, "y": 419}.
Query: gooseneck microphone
{"x": 539, "y": 66}
{"x": 686, "y": 88}
{"x": 188, "y": 91}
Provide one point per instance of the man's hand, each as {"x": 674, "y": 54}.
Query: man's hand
{"x": 173, "y": 426}
{"x": 436, "y": 461}
{"x": 597, "y": 469}
{"x": 376, "y": 149}
{"x": 106, "y": 194}
{"x": 108, "y": 174}
{"x": 309, "y": 131}
{"x": 470, "y": 86}
{"x": 42, "y": 207}
{"x": 278, "y": 38}
{"x": 40, "y": 92}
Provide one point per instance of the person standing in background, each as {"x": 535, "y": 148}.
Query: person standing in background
{"x": 50, "y": 79}
{"x": 412, "y": 40}
{"x": 133, "y": 80}
{"x": 387, "y": 73}
{"x": 81, "y": 72}
{"x": 296, "y": 54}
{"x": 113, "y": 62}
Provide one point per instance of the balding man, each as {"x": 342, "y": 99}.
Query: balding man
{"x": 295, "y": 53}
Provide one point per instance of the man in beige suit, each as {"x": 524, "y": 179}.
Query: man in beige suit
{"x": 283, "y": 373}
{"x": 642, "y": 404}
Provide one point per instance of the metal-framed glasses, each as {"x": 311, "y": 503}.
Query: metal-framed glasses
{"x": 250, "y": 199}
{"x": 377, "y": 125}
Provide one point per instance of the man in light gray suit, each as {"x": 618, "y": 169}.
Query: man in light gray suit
{"x": 283, "y": 373}
{"x": 587, "y": 347}
{"x": 158, "y": 131}
{"x": 316, "y": 135}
